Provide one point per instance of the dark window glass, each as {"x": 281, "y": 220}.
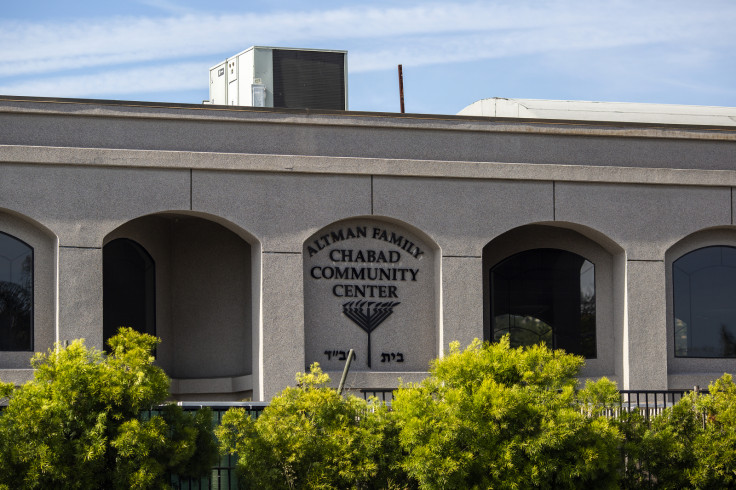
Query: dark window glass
{"x": 545, "y": 295}
{"x": 16, "y": 294}
{"x": 128, "y": 288}
{"x": 704, "y": 284}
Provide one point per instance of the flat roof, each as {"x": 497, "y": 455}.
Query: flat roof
{"x": 476, "y": 117}
{"x": 579, "y": 110}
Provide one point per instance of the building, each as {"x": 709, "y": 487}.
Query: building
{"x": 255, "y": 241}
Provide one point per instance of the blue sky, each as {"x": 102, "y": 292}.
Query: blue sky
{"x": 453, "y": 52}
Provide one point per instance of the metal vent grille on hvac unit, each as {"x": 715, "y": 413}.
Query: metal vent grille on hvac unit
{"x": 308, "y": 79}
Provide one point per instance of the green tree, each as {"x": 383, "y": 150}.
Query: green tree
{"x": 78, "y": 424}
{"x": 312, "y": 437}
{"x": 714, "y": 448}
{"x": 666, "y": 450}
{"x": 633, "y": 427}
{"x": 689, "y": 445}
{"x": 493, "y": 416}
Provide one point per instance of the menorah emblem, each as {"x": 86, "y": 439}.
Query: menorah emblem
{"x": 368, "y": 315}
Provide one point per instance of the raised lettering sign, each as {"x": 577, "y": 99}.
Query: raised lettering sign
{"x": 370, "y": 285}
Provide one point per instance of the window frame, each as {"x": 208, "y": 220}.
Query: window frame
{"x": 32, "y": 313}
{"x": 150, "y": 293}
{"x": 554, "y": 334}
{"x": 690, "y": 371}
{"x": 673, "y": 312}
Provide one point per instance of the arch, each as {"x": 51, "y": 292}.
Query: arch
{"x": 699, "y": 269}
{"x": 29, "y": 282}
{"x": 372, "y": 284}
{"x": 554, "y": 255}
{"x": 206, "y": 298}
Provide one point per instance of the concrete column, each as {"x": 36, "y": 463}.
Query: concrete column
{"x": 283, "y": 321}
{"x": 462, "y": 292}
{"x": 645, "y": 336}
{"x": 80, "y": 295}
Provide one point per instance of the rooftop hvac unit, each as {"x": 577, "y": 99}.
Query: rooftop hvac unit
{"x": 282, "y": 77}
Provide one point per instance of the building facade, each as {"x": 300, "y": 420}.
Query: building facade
{"x": 255, "y": 241}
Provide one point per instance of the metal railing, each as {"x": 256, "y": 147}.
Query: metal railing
{"x": 224, "y": 477}
{"x": 648, "y": 402}
{"x": 651, "y": 403}
{"x": 383, "y": 394}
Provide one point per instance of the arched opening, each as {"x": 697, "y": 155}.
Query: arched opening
{"x": 560, "y": 283}
{"x": 129, "y": 288}
{"x": 704, "y": 302}
{"x": 28, "y": 302}
{"x": 700, "y": 274}
{"x": 16, "y": 294}
{"x": 186, "y": 278}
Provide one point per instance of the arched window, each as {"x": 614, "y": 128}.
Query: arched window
{"x": 704, "y": 285}
{"x": 545, "y": 295}
{"x": 128, "y": 288}
{"x": 16, "y": 294}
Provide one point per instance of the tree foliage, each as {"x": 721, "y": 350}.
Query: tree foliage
{"x": 313, "y": 438}
{"x": 493, "y": 416}
{"x": 715, "y": 448}
{"x": 78, "y": 424}
{"x": 693, "y": 443}
{"x": 666, "y": 450}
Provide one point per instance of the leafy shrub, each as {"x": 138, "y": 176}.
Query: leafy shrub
{"x": 492, "y": 416}
{"x": 78, "y": 424}
{"x": 689, "y": 445}
{"x": 311, "y": 437}
{"x": 714, "y": 448}
{"x": 666, "y": 450}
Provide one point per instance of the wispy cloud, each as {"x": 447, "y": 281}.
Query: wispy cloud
{"x": 377, "y": 38}
{"x": 166, "y": 78}
{"x": 167, "y": 6}
{"x": 43, "y": 47}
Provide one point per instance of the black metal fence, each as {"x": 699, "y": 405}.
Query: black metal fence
{"x": 383, "y": 394}
{"x": 223, "y": 476}
{"x": 651, "y": 403}
{"x": 648, "y": 402}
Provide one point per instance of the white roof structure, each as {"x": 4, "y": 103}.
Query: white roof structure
{"x": 602, "y": 111}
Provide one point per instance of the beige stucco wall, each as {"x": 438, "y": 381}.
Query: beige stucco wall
{"x": 633, "y": 195}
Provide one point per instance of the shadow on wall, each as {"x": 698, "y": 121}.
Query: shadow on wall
{"x": 193, "y": 290}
